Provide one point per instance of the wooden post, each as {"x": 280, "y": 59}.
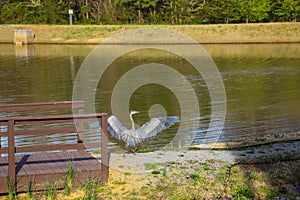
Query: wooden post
{"x": 11, "y": 152}
{"x": 80, "y": 129}
{"x": 104, "y": 150}
{"x": 0, "y": 140}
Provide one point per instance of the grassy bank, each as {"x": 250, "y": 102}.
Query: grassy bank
{"x": 190, "y": 180}
{"x": 266, "y": 172}
{"x": 225, "y": 33}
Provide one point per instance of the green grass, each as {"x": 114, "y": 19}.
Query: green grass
{"x": 241, "y": 181}
{"x": 251, "y": 175}
{"x": 201, "y": 33}
{"x": 147, "y": 150}
{"x": 206, "y": 167}
{"x": 282, "y": 190}
{"x": 276, "y": 157}
{"x": 244, "y": 191}
{"x": 11, "y": 188}
{"x": 234, "y": 170}
{"x": 155, "y": 172}
{"x": 119, "y": 182}
{"x": 164, "y": 172}
{"x": 270, "y": 193}
{"x": 96, "y": 151}
{"x": 127, "y": 173}
{"x": 50, "y": 191}
{"x": 151, "y": 166}
{"x": 90, "y": 190}
{"x": 28, "y": 189}
{"x": 70, "y": 177}
{"x": 197, "y": 177}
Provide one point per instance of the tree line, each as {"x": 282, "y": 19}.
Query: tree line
{"x": 148, "y": 11}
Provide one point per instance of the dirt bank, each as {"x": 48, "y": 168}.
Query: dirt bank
{"x": 205, "y": 34}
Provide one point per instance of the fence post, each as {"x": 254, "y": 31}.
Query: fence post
{"x": 0, "y": 140}
{"x": 80, "y": 128}
{"x": 104, "y": 149}
{"x": 11, "y": 153}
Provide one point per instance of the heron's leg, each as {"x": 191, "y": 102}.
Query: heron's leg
{"x": 131, "y": 151}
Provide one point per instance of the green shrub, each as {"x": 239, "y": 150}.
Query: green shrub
{"x": 197, "y": 177}
{"x": 251, "y": 175}
{"x": 155, "y": 172}
{"x": 282, "y": 190}
{"x": 245, "y": 191}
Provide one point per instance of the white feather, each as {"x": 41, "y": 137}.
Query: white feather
{"x": 134, "y": 136}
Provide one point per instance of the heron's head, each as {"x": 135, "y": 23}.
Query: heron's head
{"x": 132, "y": 112}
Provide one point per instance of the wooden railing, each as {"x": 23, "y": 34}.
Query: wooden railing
{"x": 79, "y": 105}
{"x": 76, "y": 106}
{"x": 35, "y": 123}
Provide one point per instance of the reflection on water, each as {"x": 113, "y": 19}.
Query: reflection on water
{"x": 24, "y": 50}
{"x": 262, "y": 85}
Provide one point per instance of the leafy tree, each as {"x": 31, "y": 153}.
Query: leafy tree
{"x": 258, "y": 10}
{"x": 220, "y": 11}
{"x": 148, "y": 11}
{"x": 285, "y": 10}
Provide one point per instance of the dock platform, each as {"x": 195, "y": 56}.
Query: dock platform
{"x": 38, "y": 170}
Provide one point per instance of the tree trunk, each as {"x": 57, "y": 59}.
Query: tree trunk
{"x": 87, "y": 12}
{"x": 139, "y": 14}
{"x": 171, "y": 12}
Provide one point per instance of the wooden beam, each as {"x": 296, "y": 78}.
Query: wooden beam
{"x": 42, "y": 106}
{"x": 11, "y": 152}
{"x": 104, "y": 150}
{"x": 46, "y": 131}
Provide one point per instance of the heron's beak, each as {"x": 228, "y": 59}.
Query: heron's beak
{"x": 134, "y": 112}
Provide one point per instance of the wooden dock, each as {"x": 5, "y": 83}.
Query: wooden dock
{"x": 40, "y": 164}
{"x": 38, "y": 170}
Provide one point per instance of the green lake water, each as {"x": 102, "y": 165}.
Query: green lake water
{"x": 262, "y": 84}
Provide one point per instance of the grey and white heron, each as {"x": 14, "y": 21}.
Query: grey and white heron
{"x": 134, "y": 136}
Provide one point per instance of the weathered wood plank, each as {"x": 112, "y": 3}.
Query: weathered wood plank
{"x": 53, "y": 118}
{"x": 46, "y": 131}
{"x": 50, "y": 167}
{"x": 42, "y": 106}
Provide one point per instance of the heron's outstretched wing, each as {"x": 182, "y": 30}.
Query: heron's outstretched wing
{"x": 155, "y": 126}
{"x": 115, "y": 127}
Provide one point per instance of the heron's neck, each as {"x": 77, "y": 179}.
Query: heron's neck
{"x": 132, "y": 122}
